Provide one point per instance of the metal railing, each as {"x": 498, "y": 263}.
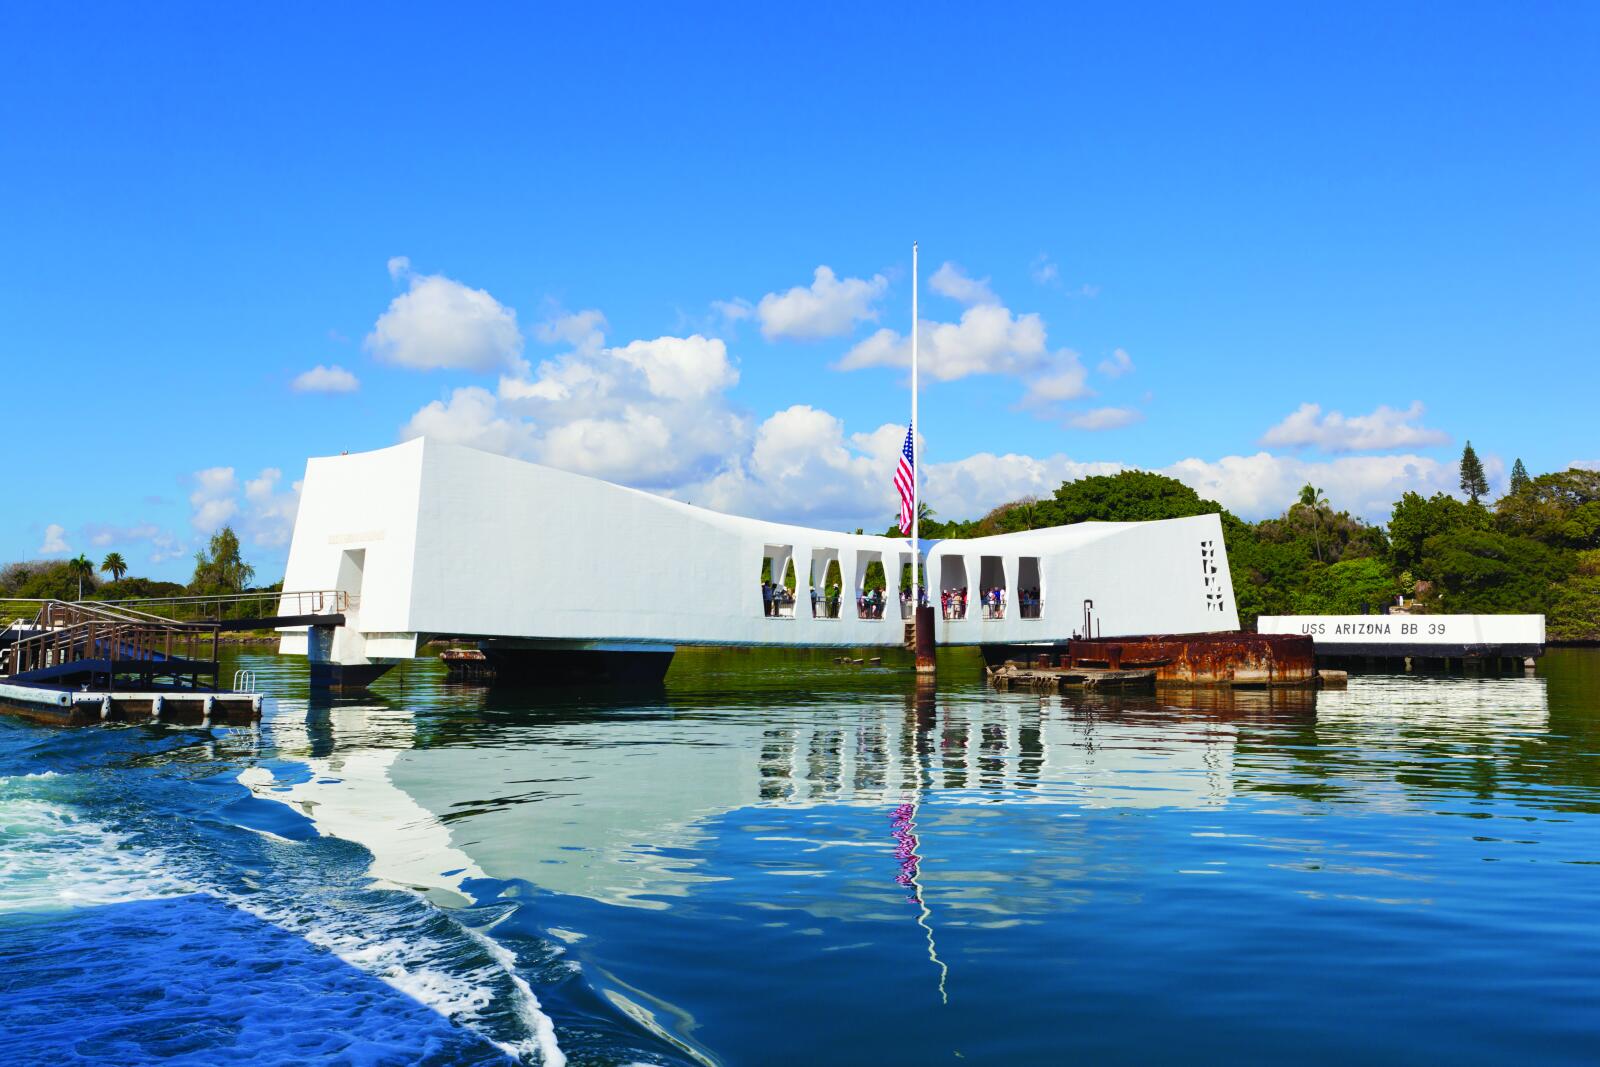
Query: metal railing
{"x": 63, "y": 633}
{"x": 264, "y": 603}
{"x": 200, "y": 609}
{"x": 121, "y": 635}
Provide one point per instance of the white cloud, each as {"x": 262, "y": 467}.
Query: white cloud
{"x": 440, "y": 323}
{"x": 213, "y": 498}
{"x": 1586, "y": 464}
{"x": 681, "y": 368}
{"x": 471, "y": 417}
{"x": 735, "y": 310}
{"x": 987, "y": 340}
{"x": 320, "y": 379}
{"x": 1044, "y": 270}
{"x": 269, "y": 513}
{"x": 583, "y": 330}
{"x": 262, "y": 514}
{"x": 399, "y": 267}
{"x": 1103, "y": 418}
{"x": 1117, "y": 364}
{"x": 803, "y": 467}
{"x": 829, "y": 307}
{"x": 949, "y": 280}
{"x": 1263, "y": 485}
{"x": 1384, "y": 428}
{"x": 55, "y": 540}
{"x": 163, "y": 544}
{"x": 650, "y": 413}
{"x": 1065, "y": 379}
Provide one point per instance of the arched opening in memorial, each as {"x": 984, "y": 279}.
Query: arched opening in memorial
{"x": 992, "y": 586}
{"x": 1030, "y": 594}
{"x": 871, "y": 594}
{"x": 826, "y": 585}
{"x": 907, "y": 587}
{"x": 777, "y": 581}
{"x": 953, "y": 588}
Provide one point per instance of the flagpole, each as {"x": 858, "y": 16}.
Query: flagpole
{"x": 916, "y": 457}
{"x": 921, "y": 618}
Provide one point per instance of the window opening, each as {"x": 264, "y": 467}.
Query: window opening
{"x": 1029, "y": 595}
{"x": 953, "y": 587}
{"x": 777, "y": 595}
{"x": 870, "y": 585}
{"x": 992, "y": 586}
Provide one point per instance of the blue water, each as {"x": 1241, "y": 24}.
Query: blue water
{"x": 779, "y": 860}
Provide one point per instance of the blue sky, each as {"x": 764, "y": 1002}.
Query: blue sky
{"x": 578, "y": 238}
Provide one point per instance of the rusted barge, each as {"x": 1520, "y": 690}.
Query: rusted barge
{"x": 1240, "y": 660}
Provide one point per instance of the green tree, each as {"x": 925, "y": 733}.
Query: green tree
{"x": 1473, "y": 483}
{"x": 134, "y": 588}
{"x": 221, "y": 569}
{"x": 1416, "y": 518}
{"x": 1128, "y": 496}
{"x": 114, "y": 565}
{"x": 1560, "y": 509}
{"x": 1575, "y": 604}
{"x": 81, "y": 567}
{"x": 44, "y": 580}
{"x": 1314, "y": 503}
{"x": 1519, "y": 476}
{"x": 1349, "y": 587}
{"x": 1266, "y": 573}
{"x": 1488, "y": 572}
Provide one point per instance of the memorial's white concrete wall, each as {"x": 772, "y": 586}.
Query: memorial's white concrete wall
{"x": 445, "y": 540}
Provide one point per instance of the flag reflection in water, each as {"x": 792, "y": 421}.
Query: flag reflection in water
{"x": 903, "y": 824}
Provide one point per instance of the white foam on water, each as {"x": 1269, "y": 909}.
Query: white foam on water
{"x": 528, "y": 1008}
{"x": 410, "y": 847}
{"x": 53, "y": 859}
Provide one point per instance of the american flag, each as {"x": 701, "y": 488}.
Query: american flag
{"x": 905, "y": 480}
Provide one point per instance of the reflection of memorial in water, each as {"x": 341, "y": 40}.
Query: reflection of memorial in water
{"x": 347, "y": 790}
{"x": 616, "y": 801}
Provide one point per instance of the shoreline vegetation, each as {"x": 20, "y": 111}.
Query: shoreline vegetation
{"x": 1535, "y": 550}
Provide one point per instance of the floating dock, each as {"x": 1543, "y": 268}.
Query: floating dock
{"x": 62, "y": 707}
{"x": 1045, "y": 679}
{"x": 84, "y": 662}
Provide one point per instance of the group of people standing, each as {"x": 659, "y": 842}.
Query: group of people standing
{"x": 953, "y": 603}
{"x": 870, "y": 604}
{"x": 774, "y": 598}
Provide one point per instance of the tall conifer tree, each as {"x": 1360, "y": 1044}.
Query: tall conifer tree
{"x": 1473, "y": 483}
{"x": 1519, "y": 476}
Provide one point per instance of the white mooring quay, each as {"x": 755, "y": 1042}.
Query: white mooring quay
{"x": 1466, "y": 638}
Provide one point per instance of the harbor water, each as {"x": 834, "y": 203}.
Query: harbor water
{"x": 779, "y": 859}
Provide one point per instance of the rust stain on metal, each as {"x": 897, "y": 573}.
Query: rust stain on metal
{"x": 1237, "y": 659}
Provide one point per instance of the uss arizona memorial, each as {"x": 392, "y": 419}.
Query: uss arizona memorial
{"x": 434, "y": 540}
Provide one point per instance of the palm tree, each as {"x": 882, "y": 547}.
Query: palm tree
{"x": 80, "y": 568}
{"x": 114, "y": 565}
{"x": 924, "y": 513}
{"x": 1312, "y": 498}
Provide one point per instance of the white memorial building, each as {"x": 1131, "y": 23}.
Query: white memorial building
{"x": 429, "y": 540}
